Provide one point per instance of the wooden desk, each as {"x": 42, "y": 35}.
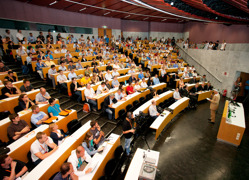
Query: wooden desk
{"x": 132, "y": 97}
{"x": 186, "y": 80}
{"x": 3, "y": 75}
{"x": 137, "y": 162}
{"x": 24, "y": 115}
{"x": 21, "y": 147}
{"x": 18, "y": 84}
{"x": 161, "y": 121}
{"x": 52, "y": 164}
{"x": 145, "y": 107}
{"x": 232, "y": 129}
{"x": 204, "y": 95}
{"x": 10, "y": 103}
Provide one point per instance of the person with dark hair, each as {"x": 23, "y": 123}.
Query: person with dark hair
{"x": 88, "y": 144}
{"x": 66, "y": 172}
{"x": 88, "y": 70}
{"x": 132, "y": 78}
{"x": 39, "y": 148}
{"x": 17, "y": 128}
{"x": 41, "y": 37}
{"x": 24, "y": 102}
{"x": 3, "y": 68}
{"x": 10, "y": 77}
{"x": 128, "y": 131}
{"x": 102, "y": 88}
{"x": 98, "y": 135}
{"x": 61, "y": 79}
{"x": 74, "y": 89}
{"x": 54, "y": 109}
{"x": 71, "y": 66}
{"x": 10, "y": 90}
{"x": 52, "y": 71}
{"x": 108, "y": 103}
{"x": 11, "y": 169}
{"x": 130, "y": 88}
{"x": 19, "y": 35}
{"x": 39, "y": 66}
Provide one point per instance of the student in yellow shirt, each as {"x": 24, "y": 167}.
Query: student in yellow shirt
{"x": 85, "y": 80}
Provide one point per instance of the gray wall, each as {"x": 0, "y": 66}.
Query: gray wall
{"x": 219, "y": 62}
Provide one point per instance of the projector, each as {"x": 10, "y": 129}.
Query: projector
{"x": 148, "y": 169}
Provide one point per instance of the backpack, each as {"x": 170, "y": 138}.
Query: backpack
{"x": 25, "y": 70}
{"x": 86, "y": 108}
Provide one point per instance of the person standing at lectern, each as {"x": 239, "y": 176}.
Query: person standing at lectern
{"x": 214, "y": 104}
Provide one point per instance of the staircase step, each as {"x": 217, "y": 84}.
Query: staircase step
{"x": 67, "y": 104}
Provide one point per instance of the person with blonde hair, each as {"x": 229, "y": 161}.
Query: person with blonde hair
{"x": 56, "y": 134}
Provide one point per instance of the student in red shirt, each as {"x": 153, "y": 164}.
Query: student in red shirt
{"x": 130, "y": 88}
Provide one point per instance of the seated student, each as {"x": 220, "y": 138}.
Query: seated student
{"x": 79, "y": 65}
{"x": 102, "y": 88}
{"x": 10, "y": 77}
{"x": 132, "y": 78}
{"x": 71, "y": 66}
{"x": 193, "y": 80}
{"x": 137, "y": 87}
{"x": 57, "y": 50}
{"x": 39, "y": 66}
{"x": 11, "y": 169}
{"x": 101, "y": 76}
{"x": 98, "y": 135}
{"x": 61, "y": 79}
{"x": 26, "y": 87}
{"x": 3, "y": 68}
{"x": 39, "y": 148}
{"x": 17, "y": 128}
{"x": 54, "y": 109}
{"x": 116, "y": 66}
{"x": 115, "y": 73}
{"x": 66, "y": 172}
{"x": 94, "y": 63}
{"x": 153, "y": 110}
{"x": 95, "y": 78}
{"x": 209, "y": 87}
{"x": 72, "y": 74}
{"x": 154, "y": 93}
{"x": 95, "y": 69}
{"x": 141, "y": 75}
{"x": 203, "y": 78}
{"x": 107, "y": 83}
{"x": 108, "y": 67}
{"x": 156, "y": 80}
{"x": 56, "y": 134}
{"x": 24, "y": 102}
{"x": 184, "y": 91}
{"x": 74, "y": 89}
{"x": 119, "y": 96}
{"x": 143, "y": 83}
{"x": 108, "y": 103}
{"x": 42, "y": 97}
{"x": 77, "y": 157}
{"x": 131, "y": 71}
{"x": 130, "y": 88}
{"x": 62, "y": 66}
{"x": 48, "y": 62}
{"x": 124, "y": 93}
{"x": 185, "y": 75}
{"x": 88, "y": 144}
{"x": 52, "y": 71}
{"x": 85, "y": 80}
{"x": 88, "y": 70}
{"x": 195, "y": 89}
{"x": 89, "y": 94}
{"x": 37, "y": 116}
{"x": 10, "y": 90}
{"x": 150, "y": 81}
{"x": 147, "y": 74}
{"x": 108, "y": 75}
{"x": 176, "y": 95}
{"x": 115, "y": 82}
{"x": 202, "y": 87}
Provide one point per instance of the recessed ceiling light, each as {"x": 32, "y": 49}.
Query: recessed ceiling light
{"x": 82, "y": 9}
{"x": 106, "y": 13}
{"x": 172, "y": 3}
{"x": 53, "y": 3}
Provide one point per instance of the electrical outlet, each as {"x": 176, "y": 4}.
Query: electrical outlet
{"x": 237, "y": 137}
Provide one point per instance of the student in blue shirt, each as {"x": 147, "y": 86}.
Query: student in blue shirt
{"x": 141, "y": 75}
{"x": 54, "y": 109}
{"x": 156, "y": 80}
{"x": 49, "y": 54}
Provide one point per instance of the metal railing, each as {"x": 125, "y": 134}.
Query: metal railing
{"x": 199, "y": 68}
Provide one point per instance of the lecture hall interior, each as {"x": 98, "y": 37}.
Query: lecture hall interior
{"x": 124, "y": 89}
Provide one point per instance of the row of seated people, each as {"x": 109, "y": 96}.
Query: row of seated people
{"x": 44, "y": 146}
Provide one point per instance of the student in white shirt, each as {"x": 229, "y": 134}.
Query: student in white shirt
{"x": 153, "y": 110}
{"x": 119, "y": 96}
{"x": 39, "y": 148}
{"x": 63, "y": 50}
{"x": 144, "y": 84}
{"x": 61, "y": 78}
{"x": 77, "y": 157}
{"x": 115, "y": 72}
{"x": 137, "y": 87}
{"x": 116, "y": 66}
{"x": 72, "y": 74}
{"x": 108, "y": 75}
{"x": 102, "y": 88}
{"x": 89, "y": 94}
{"x": 57, "y": 50}
{"x": 51, "y": 71}
{"x": 62, "y": 66}
{"x": 176, "y": 95}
